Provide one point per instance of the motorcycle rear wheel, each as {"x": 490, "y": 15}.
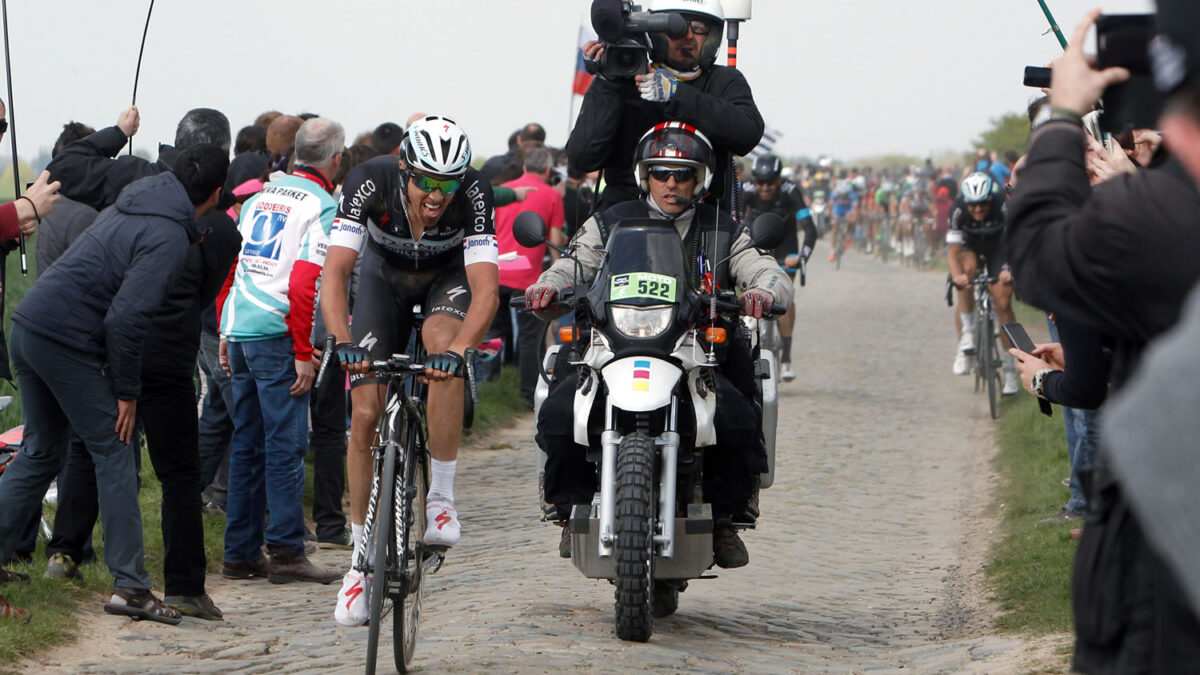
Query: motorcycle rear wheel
{"x": 634, "y": 548}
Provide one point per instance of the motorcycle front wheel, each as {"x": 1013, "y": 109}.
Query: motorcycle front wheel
{"x": 634, "y": 548}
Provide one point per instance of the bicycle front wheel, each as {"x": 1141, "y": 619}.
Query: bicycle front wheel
{"x": 382, "y": 531}
{"x": 411, "y": 529}
{"x": 991, "y": 374}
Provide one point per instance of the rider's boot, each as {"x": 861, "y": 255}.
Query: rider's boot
{"x": 728, "y": 549}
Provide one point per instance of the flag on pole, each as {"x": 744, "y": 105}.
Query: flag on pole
{"x": 583, "y": 79}
{"x": 766, "y": 145}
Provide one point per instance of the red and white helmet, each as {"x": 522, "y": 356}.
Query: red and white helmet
{"x": 436, "y": 145}
{"x": 675, "y": 143}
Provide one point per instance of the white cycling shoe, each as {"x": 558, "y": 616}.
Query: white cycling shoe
{"x": 786, "y": 373}
{"x": 352, "y": 609}
{"x": 962, "y": 363}
{"x": 443, "y": 528}
{"x": 1012, "y": 383}
{"x": 966, "y": 343}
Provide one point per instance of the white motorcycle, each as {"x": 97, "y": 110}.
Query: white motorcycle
{"x": 644, "y": 345}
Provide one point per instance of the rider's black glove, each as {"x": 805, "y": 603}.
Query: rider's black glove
{"x": 447, "y": 362}
{"x": 350, "y": 353}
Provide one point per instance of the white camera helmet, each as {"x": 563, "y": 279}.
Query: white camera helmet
{"x": 977, "y": 188}
{"x": 710, "y": 11}
{"x": 436, "y": 145}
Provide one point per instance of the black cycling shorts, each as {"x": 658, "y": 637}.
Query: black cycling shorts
{"x": 383, "y": 308}
{"x": 991, "y": 249}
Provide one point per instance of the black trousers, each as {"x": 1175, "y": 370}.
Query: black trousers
{"x": 78, "y": 506}
{"x": 531, "y": 335}
{"x": 327, "y": 406}
{"x": 167, "y": 408}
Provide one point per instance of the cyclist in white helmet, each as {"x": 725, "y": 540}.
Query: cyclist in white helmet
{"x": 424, "y": 225}
{"x": 976, "y": 229}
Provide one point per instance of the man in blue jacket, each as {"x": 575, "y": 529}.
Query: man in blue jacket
{"x": 77, "y": 351}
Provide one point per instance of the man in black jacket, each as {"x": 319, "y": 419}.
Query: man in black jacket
{"x": 1119, "y": 258}
{"x": 78, "y": 350}
{"x": 171, "y": 345}
{"x": 683, "y": 85}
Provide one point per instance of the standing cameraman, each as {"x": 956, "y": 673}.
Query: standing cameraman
{"x": 683, "y": 84}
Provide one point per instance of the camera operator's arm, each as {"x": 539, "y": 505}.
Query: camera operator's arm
{"x": 595, "y": 131}
{"x": 723, "y": 108}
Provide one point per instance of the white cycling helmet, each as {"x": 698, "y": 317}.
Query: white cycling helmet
{"x": 436, "y": 145}
{"x": 977, "y": 188}
{"x": 710, "y": 10}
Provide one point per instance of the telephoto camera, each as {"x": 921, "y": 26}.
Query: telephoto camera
{"x": 625, "y": 30}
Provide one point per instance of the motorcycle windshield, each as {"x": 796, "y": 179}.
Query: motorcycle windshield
{"x": 644, "y": 265}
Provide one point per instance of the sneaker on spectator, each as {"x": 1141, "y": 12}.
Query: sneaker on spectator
{"x": 352, "y": 609}
{"x": 61, "y": 566}
{"x": 1063, "y": 516}
{"x": 344, "y": 542}
{"x": 786, "y": 373}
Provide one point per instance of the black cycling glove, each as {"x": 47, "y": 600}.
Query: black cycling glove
{"x": 448, "y": 362}
{"x": 350, "y": 353}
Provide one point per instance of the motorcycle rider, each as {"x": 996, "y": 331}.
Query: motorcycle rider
{"x": 785, "y": 199}
{"x": 674, "y": 167}
{"x": 683, "y": 83}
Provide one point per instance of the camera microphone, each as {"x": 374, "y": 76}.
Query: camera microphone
{"x": 608, "y": 20}
{"x": 680, "y": 201}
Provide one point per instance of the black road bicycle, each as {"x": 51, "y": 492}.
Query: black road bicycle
{"x": 396, "y": 508}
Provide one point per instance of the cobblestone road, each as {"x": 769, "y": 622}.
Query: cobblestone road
{"x": 868, "y": 556}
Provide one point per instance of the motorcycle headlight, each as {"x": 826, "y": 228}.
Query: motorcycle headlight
{"x": 641, "y": 322}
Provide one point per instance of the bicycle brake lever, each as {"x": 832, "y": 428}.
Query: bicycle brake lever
{"x": 326, "y": 355}
{"x": 469, "y": 363}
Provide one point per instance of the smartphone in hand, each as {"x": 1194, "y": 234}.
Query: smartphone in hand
{"x": 1020, "y": 339}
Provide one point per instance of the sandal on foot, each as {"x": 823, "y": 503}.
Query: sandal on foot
{"x": 8, "y": 611}
{"x": 9, "y": 577}
{"x": 141, "y": 604}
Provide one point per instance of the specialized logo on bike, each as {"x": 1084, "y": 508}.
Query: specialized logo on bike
{"x": 642, "y": 285}
{"x": 641, "y": 375}
{"x": 266, "y": 233}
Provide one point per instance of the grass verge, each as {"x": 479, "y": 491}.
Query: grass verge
{"x": 1029, "y": 570}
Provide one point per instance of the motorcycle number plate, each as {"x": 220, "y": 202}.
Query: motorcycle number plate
{"x": 642, "y": 285}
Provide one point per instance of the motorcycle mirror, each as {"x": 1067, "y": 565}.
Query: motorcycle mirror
{"x": 767, "y": 231}
{"x": 529, "y": 229}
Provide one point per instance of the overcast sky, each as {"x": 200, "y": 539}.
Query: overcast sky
{"x": 844, "y": 77}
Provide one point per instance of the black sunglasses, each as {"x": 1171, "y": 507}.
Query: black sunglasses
{"x": 681, "y": 175}
{"x": 3, "y": 125}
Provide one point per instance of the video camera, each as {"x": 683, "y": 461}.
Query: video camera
{"x": 624, "y": 30}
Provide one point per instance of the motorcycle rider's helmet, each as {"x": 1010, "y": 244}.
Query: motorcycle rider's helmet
{"x": 767, "y": 169}
{"x": 436, "y": 145}
{"x": 675, "y": 143}
{"x": 708, "y": 11}
{"x": 977, "y": 188}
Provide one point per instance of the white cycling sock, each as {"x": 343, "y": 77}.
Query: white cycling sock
{"x": 441, "y": 483}
{"x": 968, "y": 321}
{"x": 1010, "y": 363}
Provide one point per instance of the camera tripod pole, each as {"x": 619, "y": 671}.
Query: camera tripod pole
{"x": 12, "y": 134}
{"x": 1053, "y": 25}
{"x": 138, "y": 73}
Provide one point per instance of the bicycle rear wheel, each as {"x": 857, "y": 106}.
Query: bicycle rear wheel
{"x": 411, "y": 530}
{"x": 382, "y": 531}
